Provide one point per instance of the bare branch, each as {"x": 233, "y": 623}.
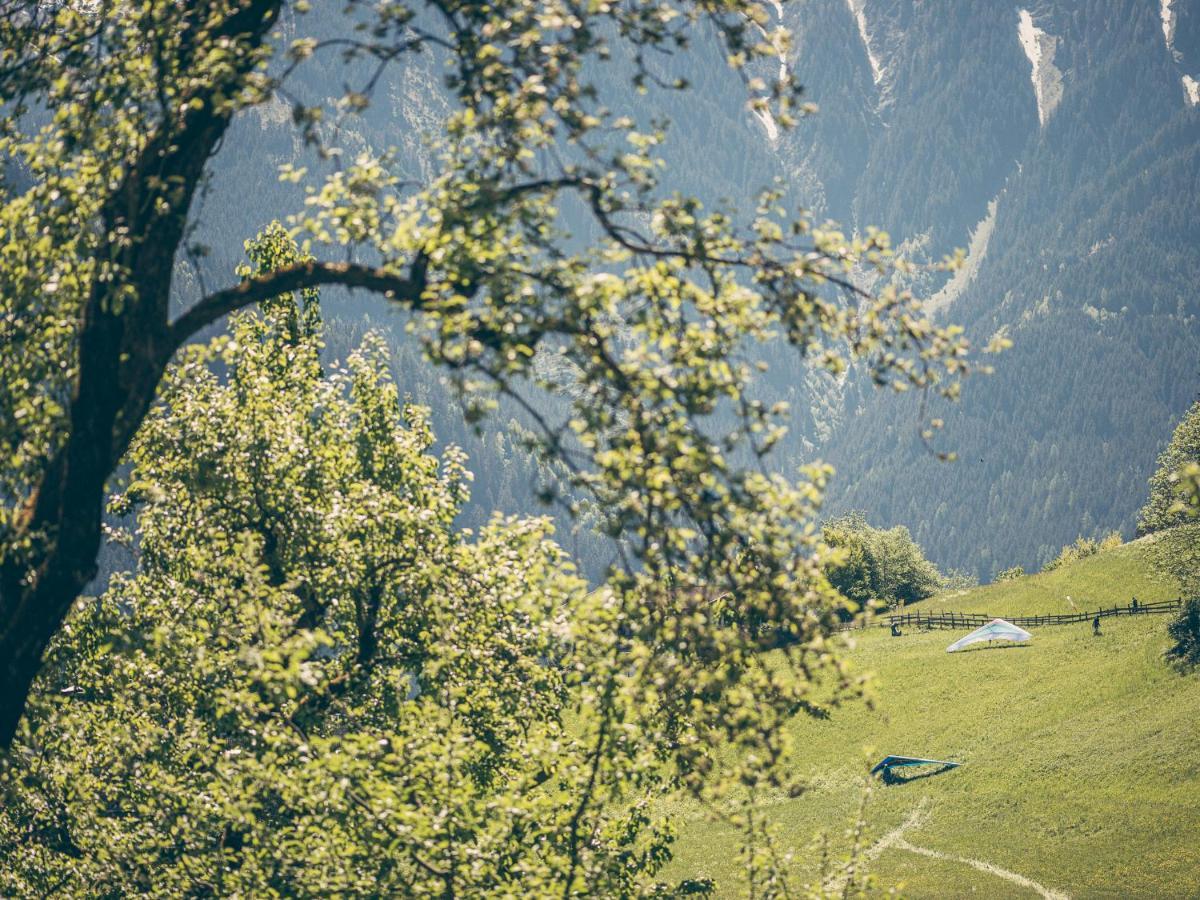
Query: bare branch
{"x": 309, "y": 274}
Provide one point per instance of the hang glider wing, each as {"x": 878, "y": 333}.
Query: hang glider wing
{"x": 995, "y": 630}
{"x": 896, "y": 762}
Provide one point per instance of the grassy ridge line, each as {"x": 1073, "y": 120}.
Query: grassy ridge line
{"x": 1081, "y": 754}
{"x": 1107, "y": 579}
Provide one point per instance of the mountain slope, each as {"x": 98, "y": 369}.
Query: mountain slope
{"x": 1079, "y": 755}
{"x": 1090, "y": 211}
{"x": 1057, "y": 141}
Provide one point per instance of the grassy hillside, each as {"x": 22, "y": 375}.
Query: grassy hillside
{"x": 1081, "y": 755}
{"x": 1107, "y": 579}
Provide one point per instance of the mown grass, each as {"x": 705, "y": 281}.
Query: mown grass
{"x": 1081, "y": 754}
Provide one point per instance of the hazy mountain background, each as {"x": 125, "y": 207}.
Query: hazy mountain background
{"x": 1059, "y": 143}
{"x": 1072, "y": 158}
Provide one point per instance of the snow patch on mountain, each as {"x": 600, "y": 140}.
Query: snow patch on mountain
{"x": 1170, "y": 18}
{"x": 1191, "y": 90}
{"x": 764, "y": 115}
{"x": 767, "y": 120}
{"x": 965, "y": 274}
{"x": 1047, "y": 80}
{"x": 858, "y": 10}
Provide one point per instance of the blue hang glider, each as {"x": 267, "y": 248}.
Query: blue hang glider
{"x": 895, "y": 762}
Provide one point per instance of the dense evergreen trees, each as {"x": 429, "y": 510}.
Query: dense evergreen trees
{"x": 1090, "y": 266}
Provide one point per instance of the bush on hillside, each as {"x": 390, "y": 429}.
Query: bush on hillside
{"x": 1177, "y": 555}
{"x": 1185, "y": 632}
{"x": 958, "y": 580}
{"x": 1173, "y": 508}
{"x": 1083, "y": 548}
{"x": 1011, "y": 574}
{"x": 1170, "y": 502}
{"x": 1185, "y": 482}
{"x": 879, "y": 566}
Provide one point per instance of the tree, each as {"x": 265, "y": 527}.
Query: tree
{"x": 1171, "y": 511}
{"x": 313, "y": 684}
{"x": 1184, "y": 630}
{"x": 1174, "y": 505}
{"x": 877, "y": 565}
{"x": 321, "y": 572}
{"x": 1012, "y": 573}
{"x": 1177, "y": 554}
{"x": 113, "y": 114}
{"x": 1169, "y": 504}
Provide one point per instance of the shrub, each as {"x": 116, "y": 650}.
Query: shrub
{"x": 1185, "y": 632}
{"x": 1082, "y": 548}
{"x": 1173, "y": 508}
{"x": 1011, "y": 574}
{"x": 958, "y": 580}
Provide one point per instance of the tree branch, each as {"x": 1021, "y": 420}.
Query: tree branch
{"x": 308, "y": 274}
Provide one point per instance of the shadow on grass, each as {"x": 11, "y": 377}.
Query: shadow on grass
{"x": 895, "y": 778}
{"x": 976, "y": 648}
{"x": 812, "y": 710}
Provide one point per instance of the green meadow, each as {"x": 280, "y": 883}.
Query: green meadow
{"x": 1080, "y": 755}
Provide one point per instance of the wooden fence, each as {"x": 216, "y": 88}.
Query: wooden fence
{"x": 925, "y": 620}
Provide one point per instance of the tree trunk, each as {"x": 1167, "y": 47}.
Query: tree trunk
{"x": 124, "y": 348}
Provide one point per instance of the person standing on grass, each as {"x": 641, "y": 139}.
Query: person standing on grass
{"x": 1135, "y": 606}
{"x": 1096, "y": 626}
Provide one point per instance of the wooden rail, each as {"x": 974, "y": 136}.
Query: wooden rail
{"x": 922, "y": 620}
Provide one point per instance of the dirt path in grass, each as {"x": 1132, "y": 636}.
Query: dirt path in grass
{"x": 895, "y": 840}
{"x": 1048, "y": 893}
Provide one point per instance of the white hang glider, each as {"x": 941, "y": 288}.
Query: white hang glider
{"x": 995, "y": 630}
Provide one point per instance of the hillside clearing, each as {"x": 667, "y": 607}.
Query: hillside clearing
{"x": 1110, "y": 578}
{"x": 1081, "y": 757}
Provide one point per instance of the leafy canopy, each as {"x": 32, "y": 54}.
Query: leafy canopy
{"x": 112, "y": 117}
{"x": 875, "y": 566}
{"x": 1174, "y": 498}
{"x": 113, "y": 114}
{"x": 313, "y": 684}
